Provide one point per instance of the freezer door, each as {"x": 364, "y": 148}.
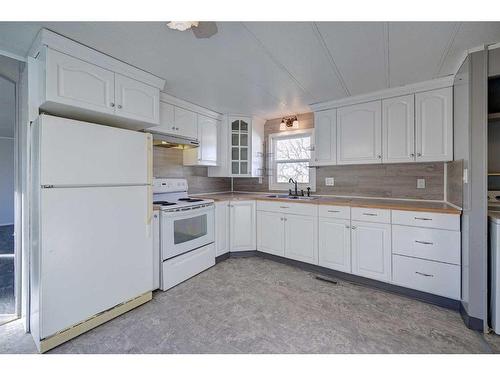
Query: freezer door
{"x": 80, "y": 153}
{"x": 96, "y": 252}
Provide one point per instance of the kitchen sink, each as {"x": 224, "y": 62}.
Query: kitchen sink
{"x": 291, "y": 197}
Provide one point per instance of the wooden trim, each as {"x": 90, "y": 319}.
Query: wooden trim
{"x": 98, "y": 319}
{"x": 386, "y": 93}
{"x": 12, "y": 55}
{"x": 80, "y": 51}
{"x": 189, "y": 106}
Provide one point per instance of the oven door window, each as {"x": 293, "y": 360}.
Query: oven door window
{"x": 189, "y": 229}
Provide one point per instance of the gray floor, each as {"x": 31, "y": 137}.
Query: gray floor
{"x": 7, "y": 302}
{"x": 253, "y": 305}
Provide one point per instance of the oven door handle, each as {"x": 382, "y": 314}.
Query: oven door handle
{"x": 188, "y": 213}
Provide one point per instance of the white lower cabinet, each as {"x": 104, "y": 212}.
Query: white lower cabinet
{"x": 371, "y": 250}
{"x": 242, "y": 234}
{"x": 270, "y": 233}
{"x": 335, "y": 244}
{"x": 222, "y": 224}
{"x": 301, "y": 238}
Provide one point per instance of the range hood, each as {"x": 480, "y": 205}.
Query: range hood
{"x": 172, "y": 141}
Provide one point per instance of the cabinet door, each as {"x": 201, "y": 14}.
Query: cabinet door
{"x": 207, "y": 136}
{"x": 167, "y": 124}
{"x": 325, "y": 134}
{"x": 240, "y": 142}
{"x": 136, "y": 100}
{"x": 271, "y": 233}
{"x": 359, "y": 134}
{"x": 398, "y": 129}
{"x": 185, "y": 123}
{"x": 221, "y": 228}
{"x": 335, "y": 244}
{"x": 371, "y": 250}
{"x": 301, "y": 233}
{"x": 77, "y": 83}
{"x": 434, "y": 125}
{"x": 243, "y": 224}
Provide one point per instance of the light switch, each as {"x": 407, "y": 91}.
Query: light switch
{"x": 420, "y": 183}
{"x": 329, "y": 181}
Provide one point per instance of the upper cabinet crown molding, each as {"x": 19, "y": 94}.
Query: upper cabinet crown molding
{"x": 386, "y": 93}
{"x": 164, "y": 97}
{"x": 65, "y": 45}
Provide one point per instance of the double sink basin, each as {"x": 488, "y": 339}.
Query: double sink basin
{"x": 291, "y": 197}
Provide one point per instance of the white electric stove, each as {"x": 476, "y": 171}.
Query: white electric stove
{"x": 187, "y": 231}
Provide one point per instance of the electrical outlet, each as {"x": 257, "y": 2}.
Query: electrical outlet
{"x": 420, "y": 183}
{"x": 329, "y": 181}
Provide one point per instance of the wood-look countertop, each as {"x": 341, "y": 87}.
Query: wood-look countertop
{"x": 389, "y": 204}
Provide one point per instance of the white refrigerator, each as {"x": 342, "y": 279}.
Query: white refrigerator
{"x": 91, "y": 221}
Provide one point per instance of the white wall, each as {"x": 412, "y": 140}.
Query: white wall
{"x": 7, "y": 124}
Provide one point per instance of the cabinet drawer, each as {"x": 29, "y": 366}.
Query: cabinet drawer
{"x": 426, "y": 219}
{"x": 428, "y": 276}
{"x": 336, "y": 212}
{"x": 433, "y": 244}
{"x": 288, "y": 208}
{"x": 374, "y": 215}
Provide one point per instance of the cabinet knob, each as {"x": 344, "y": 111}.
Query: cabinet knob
{"x": 119, "y": 106}
{"x": 353, "y": 227}
{"x": 281, "y": 219}
{"x": 347, "y": 226}
{"x": 173, "y": 127}
{"x": 419, "y": 154}
{"x": 379, "y": 156}
{"x": 112, "y": 105}
{"x": 412, "y": 155}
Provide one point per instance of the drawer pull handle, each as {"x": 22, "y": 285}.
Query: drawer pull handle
{"x": 424, "y": 242}
{"x": 369, "y": 214}
{"x": 424, "y": 274}
{"x": 284, "y": 207}
{"x": 422, "y": 218}
{"x": 333, "y": 211}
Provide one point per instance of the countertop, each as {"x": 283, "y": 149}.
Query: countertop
{"x": 389, "y": 204}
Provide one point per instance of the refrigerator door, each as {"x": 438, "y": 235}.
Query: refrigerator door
{"x": 96, "y": 252}
{"x": 76, "y": 153}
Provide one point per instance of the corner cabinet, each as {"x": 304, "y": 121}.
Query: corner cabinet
{"x": 359, "y": 134}
{"x": 240, "y": 148}
{"x": 434, "y": 125}
{"x": 325, "y": 138}
{"x": 81, "y": 90}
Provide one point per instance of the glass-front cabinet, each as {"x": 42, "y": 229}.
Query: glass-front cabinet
{"x": 240, "y": 146}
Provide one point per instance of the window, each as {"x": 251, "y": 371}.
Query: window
{"x": 290, "y": 157}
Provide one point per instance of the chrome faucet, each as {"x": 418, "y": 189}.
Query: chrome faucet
{"x": 291, "y": 181}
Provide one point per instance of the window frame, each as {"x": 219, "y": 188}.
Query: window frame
{"x": 272, "y": 162}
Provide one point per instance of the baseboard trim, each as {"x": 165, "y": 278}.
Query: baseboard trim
{"x": 432, "y": 299}
{"x": 221, "y": 258}
{"x": 471, "y": 322}
{"x": 243, "y": 254}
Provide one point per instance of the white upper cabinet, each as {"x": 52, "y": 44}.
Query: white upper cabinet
{"x": 359, "y": 133}
{"x": 77, "y": 83}
{"x": 434, "y": 125}
{"x": 186, "y": 123}
{"x": 325, "y": 138}
{"x": 206, "y": 153}
{"x": 167, "y": 123}
{"x": 398, "y": 129}
{"x": 136, "y": 100}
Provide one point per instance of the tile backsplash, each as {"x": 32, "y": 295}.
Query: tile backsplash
{"x": 167, "y": 162}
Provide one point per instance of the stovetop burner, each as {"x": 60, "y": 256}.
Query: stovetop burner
{"x": 165, "y": 203}
{"x": 190, "y": 200}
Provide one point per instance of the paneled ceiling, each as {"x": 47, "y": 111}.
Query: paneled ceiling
{"x": 270, "y": 69}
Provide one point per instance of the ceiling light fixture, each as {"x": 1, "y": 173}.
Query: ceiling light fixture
{"x": 182, "y": 25}
{"x": 289, "y": 123}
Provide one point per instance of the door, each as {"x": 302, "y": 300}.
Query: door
{"x": 167, "y": 124}
{"x": 371, "y": 250}
{"x": 137, "y": 100}
{"x": 434, "y": 125}
{"x": 207, "y": 136}
{"x": 325, "y": 137}
{"x": 96, "y": 252}
{"x": 301, "y": 233}
{"x": 398, "y": 129}
{"x": 271, "y": 233}
{"x": 77, "y": 83}
{"x": 221, "y": 228}
{"x": 359, "y": 133}
{"x": 80, "y": 153}
{"x": 335, "y": 244}
{"x": 242, "y": 236}
{"x": 185, "y": 123}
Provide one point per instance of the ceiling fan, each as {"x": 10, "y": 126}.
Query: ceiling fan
{"x": 201, "y": 29}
